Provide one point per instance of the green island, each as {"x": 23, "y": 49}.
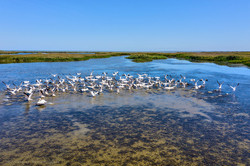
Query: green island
{"x": 222, "y": 58}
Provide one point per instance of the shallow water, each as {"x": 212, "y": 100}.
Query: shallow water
{"x": 137, "y": 127}
{"x": 23, "y": 53}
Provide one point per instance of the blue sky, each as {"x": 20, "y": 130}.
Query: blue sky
{"x": 125, "y": 25}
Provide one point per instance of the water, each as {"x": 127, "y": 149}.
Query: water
{"x": 22, "y": 53}
{"x": 180, "y": 127}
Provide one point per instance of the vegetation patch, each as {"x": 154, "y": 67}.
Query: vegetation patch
{"x": 146, "y": 57}
{"x": 223, "y": 58}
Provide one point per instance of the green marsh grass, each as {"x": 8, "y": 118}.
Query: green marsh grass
{"x": 223, "y": 58}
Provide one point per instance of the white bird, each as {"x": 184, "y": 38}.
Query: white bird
{"x": 13, "y": 91}
{"x": 93, "y": 94}
{"x": 204, "y": 81}
{"x": 98, "y": 77}
{"x": 169, "y": 87}
{"x": 41, "y": 101}
{"x": 220, "y": 85}
{"x": 7, "y": 85}
{"x": 28, "y": 95}
{"x": 117, "y": 90}
{"x": 54, "y": 75}
{"x": 196, "y": 86}
{"x": 115, "y": 73}
{"x": 26, "y": 82}
{"x": 183, "y": 77}
{"x": 84, "y": 89}
{"x": 234, "y": 88}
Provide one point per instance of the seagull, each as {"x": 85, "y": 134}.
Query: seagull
{"x": 220, "y": 84}
{"x": 18, "y": 88}
{"x": 54, "y": 75}
{"x": 53, "y": 92}
{"x": 196, "y": 86}
{"x": 117, "y": 90}
{"x": 97, "y": 84}
{"x": 13, "y": 91}
{"x": 41, "y": 101}
{"x": 169, "y": 87}
{"x": 7, "y": 85}
{"x": 28, "y": 95}
{"x": 26, "y": 82}
{"x": 183, "y": 77}
{"x": 204, "y": 81}
{"x": 115, "y": 73}
{"x": 234, "y": 88}
{"x": 93, "y": 94}
{"x": 84, "y": 89}
{"x": 41, "y": 92}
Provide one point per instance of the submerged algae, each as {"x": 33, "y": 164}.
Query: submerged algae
{"x": 132, "y": 134}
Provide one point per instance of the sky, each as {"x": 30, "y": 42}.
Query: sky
{"x": 125, "y": 25}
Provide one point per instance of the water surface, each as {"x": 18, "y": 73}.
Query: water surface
{"x": 153, "y": 127}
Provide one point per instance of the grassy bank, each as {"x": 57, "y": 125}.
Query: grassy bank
{"x": 222, "y": 58}
{"x": 53, "y": 57}
{"x": 146, "y": 57}
{"x": 225, "y": 58}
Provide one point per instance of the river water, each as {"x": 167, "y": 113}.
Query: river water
{"x": 137, "y": 127}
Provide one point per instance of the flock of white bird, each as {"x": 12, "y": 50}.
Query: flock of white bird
{"x": 96, "y": 84}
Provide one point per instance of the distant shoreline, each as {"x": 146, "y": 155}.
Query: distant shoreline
{"x": 218, "y": 57}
